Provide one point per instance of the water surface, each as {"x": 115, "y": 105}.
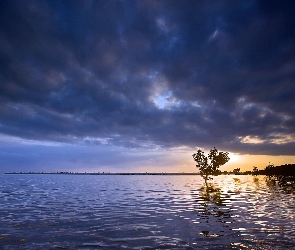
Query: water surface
{"x": 145, "y": 212}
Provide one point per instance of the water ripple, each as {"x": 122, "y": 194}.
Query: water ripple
{"x": 145, "y": 212}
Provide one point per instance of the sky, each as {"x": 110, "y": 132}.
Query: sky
{"x": 139, "y": 86}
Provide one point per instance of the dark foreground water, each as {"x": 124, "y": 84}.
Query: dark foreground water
{"x": 145, "y": 212}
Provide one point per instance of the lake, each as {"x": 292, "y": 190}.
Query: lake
{"x": 145, "y": 212}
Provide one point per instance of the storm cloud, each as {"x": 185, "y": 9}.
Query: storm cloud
{"x": 146, "y": 74}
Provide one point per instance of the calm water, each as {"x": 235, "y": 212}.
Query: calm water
{"x": 145, "y": 212}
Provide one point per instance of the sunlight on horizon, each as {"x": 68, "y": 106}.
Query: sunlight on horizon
{"x": 234, "y": 157}
{"x": 247, "y": 162}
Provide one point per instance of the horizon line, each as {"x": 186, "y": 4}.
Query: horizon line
{"x": 108, "y": 173}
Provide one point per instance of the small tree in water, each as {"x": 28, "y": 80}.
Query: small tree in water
{"x": 210, "y": 165}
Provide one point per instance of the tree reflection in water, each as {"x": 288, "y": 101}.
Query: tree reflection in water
{"x": 211, "y": 210}
{"x": 210, "y": 193}
{"x": 245, "y": 212}
{"x": 281, "y": 182}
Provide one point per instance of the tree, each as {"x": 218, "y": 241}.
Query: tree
{"x": 269, "y": 169}
{"x": 210, "y": 165}
{"x": 236, "y": 170}
{"x": 255, "y": 170}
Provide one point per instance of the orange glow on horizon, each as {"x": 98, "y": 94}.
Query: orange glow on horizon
{"x": 247, "y": 162}
{"x": 183, "y": 162}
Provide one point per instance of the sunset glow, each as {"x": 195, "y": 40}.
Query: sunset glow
{"x": 234, "y": 157}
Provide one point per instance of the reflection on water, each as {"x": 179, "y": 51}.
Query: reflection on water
{"x": 146, "y": 212}
{"x": 283, "y": 183}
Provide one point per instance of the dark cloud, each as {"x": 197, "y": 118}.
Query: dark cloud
{"x": 146, "y": 73}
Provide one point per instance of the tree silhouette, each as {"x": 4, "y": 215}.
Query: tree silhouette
{"x": 255, "y": 171}
{"x": 210, "y": 165}
{"x": 269, "y": 169}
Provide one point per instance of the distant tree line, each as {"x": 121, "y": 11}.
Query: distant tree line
{"x": 209, "y": 166}
{"x": 270, "y": 169}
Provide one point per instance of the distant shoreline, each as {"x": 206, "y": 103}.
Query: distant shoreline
{"x": 103, "y": 173}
